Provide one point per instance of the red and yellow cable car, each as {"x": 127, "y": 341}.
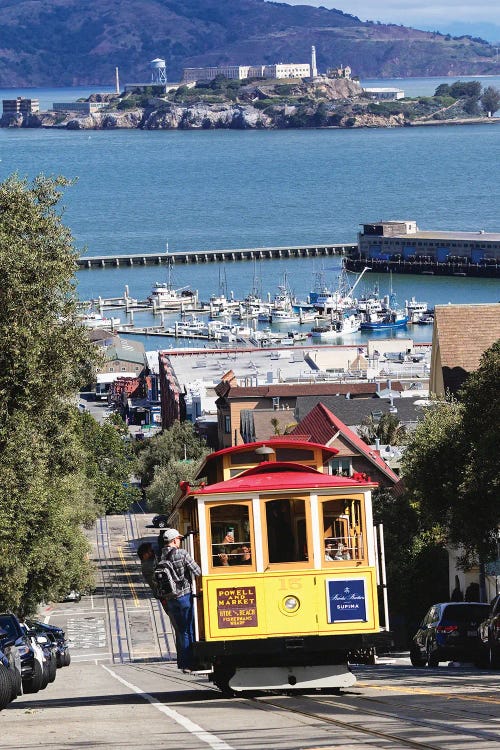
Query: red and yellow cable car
{"x": 289, "y": 564}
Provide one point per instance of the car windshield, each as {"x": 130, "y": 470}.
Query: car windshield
{"x": 9, "y": 627}
{"x": 466, "y": 612}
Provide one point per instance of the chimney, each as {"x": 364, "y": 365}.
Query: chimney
{"x": 377, "y": 444}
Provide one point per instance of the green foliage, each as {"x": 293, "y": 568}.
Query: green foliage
{"x": 490, "y": 99}
{"x": 108, "y": 462}
{"x": 416, "y": 562}
{"x": 388, "y": 429}
{"x": 451, "y": 467}
{"x": 125, "y": 104}
{"x": 179, "y": 443}
{"x": 45, "y": 357}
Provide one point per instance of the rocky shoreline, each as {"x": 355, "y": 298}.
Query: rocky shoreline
{"x": 322, "y": 103}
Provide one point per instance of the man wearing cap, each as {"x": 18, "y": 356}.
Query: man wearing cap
{"x": 180, "y": 603}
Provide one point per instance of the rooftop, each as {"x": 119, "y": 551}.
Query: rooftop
{"x": 464, "y": 332}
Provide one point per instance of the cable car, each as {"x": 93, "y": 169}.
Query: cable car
{"x": 290, "y": 566}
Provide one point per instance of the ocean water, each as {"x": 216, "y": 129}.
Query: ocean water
{"x": 137, "y": 191}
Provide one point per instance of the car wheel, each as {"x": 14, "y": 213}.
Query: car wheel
{"x": 17, "y": 686}
{"x": 66, "y": 658}
{"x": 417, "y": 659}
{"x": 52, "y": 669}
{"x": 493, "y": 659}
{"x": 46, "y": 675}
{"x": 34, "y": 683}
{"x": 5, "y": 686}
{"x": 432, "y": 657}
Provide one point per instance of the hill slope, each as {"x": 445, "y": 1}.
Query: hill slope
{"x": 70, "y": 42}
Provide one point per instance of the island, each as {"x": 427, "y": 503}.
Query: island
{"x": 319, "y": 102}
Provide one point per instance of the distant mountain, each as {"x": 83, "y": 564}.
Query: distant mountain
{"x": 71, "y": 42}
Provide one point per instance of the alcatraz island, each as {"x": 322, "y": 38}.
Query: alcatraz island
{"x": 278, "y": 96}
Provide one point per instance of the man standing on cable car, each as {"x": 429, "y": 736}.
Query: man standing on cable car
{"x": 180, "y": 603}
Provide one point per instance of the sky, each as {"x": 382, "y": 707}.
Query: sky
{"x": 417, "y": 13}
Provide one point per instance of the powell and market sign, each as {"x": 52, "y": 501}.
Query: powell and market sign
{"x": 346, "y": 600}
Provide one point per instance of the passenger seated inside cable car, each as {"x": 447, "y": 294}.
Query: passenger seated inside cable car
{"x": 342, "y": 530}
{"x": 230, "y": 532}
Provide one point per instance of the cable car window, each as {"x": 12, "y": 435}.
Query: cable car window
{"x": 342, "y": 530}
{"x": 230, "y": 535}
{"x": 286, "y": 531}
{"x": 294, "y": 454}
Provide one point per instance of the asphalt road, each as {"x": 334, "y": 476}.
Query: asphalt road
{"x": 123, "y": 690}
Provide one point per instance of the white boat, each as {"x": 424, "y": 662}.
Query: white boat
{"x": 164, "y": 297}
{"x": 328, "y": 302}
{"x": 95, "y": 320}
{"x": 415, "y": 310}
{"x": 342, "y": 325}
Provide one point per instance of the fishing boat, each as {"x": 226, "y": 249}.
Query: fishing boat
{"x": 164, "y": 297}
{"x": 327, "y": 302}
{"x": 415, "y": 309}
{"x": 383, "y": 321}
{"x": 338, "y": 326}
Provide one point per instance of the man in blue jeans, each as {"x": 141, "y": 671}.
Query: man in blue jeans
{"x": 180, "y": 603}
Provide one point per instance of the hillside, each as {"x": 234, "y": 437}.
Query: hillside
{"x": 70, "y": 42}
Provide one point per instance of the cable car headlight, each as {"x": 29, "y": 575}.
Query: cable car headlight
{"x": 290, "y": 604}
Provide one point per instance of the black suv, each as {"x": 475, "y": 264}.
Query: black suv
{"x": 449, "y": 631}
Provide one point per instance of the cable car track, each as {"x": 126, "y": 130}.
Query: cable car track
{"x": 379, "y": 734}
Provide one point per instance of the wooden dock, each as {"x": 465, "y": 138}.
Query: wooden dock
{"x": 212, "y": 256}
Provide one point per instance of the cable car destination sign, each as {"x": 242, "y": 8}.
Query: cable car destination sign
{"x": 237, "y": 607}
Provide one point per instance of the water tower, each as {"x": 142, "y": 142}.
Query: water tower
{"x": 158, "y": 72}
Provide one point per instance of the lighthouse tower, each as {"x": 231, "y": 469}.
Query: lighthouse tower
{"x": 314, "y": 69}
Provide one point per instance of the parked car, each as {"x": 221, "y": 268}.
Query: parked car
{"x": 72, "y": 596}
{"x": 448, "y": 632}
{"x": 489, "y": 636}
{"x": 57, "y": 637}
{"x": 34, "y": 671}
{"x": 10, "y": 670}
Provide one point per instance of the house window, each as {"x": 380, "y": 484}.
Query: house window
{"x": 341, "y": 466}
{"x": 227, "y": 424}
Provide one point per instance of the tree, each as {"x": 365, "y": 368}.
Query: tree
{"x": 388, "y": 429}
{"x": 490, "y": 99}
{"x": 45, "y": 357}
{"x": 451, "y": 467}
{"x": 108, "y": 463}
{"x": 179, "y": 443}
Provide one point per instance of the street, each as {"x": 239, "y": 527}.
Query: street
{"x": 123, "y": 690}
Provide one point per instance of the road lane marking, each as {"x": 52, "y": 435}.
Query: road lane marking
{"x": 210, "y": 739}
{"x": 422, "y": 691}
{"x": 129, "y": 577}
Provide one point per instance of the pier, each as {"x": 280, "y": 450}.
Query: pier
{"x": 212, "y": 256}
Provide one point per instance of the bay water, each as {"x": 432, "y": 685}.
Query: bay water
{"x": 136, "y": 191}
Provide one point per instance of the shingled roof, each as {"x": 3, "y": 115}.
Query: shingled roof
{"x": 461, "y": 334}
{"x": 322, "y": 426}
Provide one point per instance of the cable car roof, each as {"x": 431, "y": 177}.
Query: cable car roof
{"x": 282, "y": 442}
{"x": 282, "y": 475}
